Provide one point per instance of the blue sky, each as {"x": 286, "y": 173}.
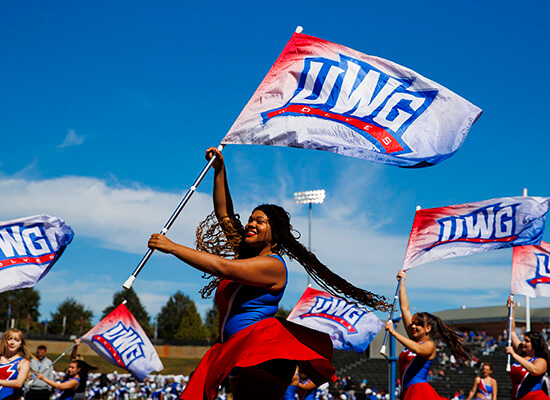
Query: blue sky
{"x": 107, "y": 108}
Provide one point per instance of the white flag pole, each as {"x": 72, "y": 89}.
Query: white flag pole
{"x": 394, "y": 305}
{"x": 508, "y": 361}
{"x": 527, "y": 299}
{"x": 128, "y": 284}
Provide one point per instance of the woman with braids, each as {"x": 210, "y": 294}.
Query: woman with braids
{"x": 530, "y": 363}
{"x": 420, "y": 350}
{"x": 259, "y": 353}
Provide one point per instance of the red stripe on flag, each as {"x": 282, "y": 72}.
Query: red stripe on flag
{"x": 350, "y": 328}
{"x": 386, "y": 140}
{"x": 110, "y": 349}
{"x": 27, "y": 260}
{"x": 468, "y": 240}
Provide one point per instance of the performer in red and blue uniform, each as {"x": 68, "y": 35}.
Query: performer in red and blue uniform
{"x": 531, "y": 358}
{"x": 485, "y": 386}
{"x": 70, "y": 385}
{"x": 420, "y": 350}
{"x": 260, "y": 353}
{"x": 14, "y": 364}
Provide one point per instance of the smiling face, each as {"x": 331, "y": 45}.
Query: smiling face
{"x": 419, "y": 329}
{"x": 526, "y": 346}
{"x": 73, "y": 369}
{"x": 13, "y": 343}
{"x": 258, "y": 231}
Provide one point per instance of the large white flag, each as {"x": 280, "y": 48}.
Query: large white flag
{"x": 350, "y": 327}
{"x": 324, "y": 96}
{"x": 531, "y": 270}
{"x": 29, "y": 247}
{"x": 464, "y": 229}
{"x": 120, "y": 339}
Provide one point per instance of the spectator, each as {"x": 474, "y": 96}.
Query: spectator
{"x": 37, "y": 389}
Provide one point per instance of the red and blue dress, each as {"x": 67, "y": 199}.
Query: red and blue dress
{"x": 249, "y": 336}
{"x": 10, "y": 372}
{"x": 524, "y": 385}
{"x": 484, "y": 391}
{"x": 413, "y": 370}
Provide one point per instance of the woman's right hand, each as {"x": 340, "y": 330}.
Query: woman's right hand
{"x": 401, "y": 274}
{"x": 510, "y": 302}
{"x": 218, "y": 163}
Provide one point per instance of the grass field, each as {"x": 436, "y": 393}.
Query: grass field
{"x": 171, "y": 365}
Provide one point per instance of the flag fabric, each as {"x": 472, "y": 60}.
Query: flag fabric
{"x": 350, "y": 327}
{"x": 29, "y": 247}
{"x": 472, "y": 228}
{"x": 119, "y": 339}
{"x": 324, "y": 96}
{"x": 531, "y": 270}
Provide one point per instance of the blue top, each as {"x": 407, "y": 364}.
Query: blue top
{"x": 413, "y": 368}
{"x": 68, "y": 394}
{"x": 10, "y": 372}
{"x": 242, "y": 305}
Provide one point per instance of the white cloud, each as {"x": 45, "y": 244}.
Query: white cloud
{"x": 71, "y": 139}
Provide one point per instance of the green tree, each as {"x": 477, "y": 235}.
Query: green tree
{"x": 282, "y": 312}
{"x": 191, "y": 326}
{"x": 211, "y": 323}
{"x": 134, "y": 305}
{"x": 169, "y": 317}
{"x": 22, "y": 306}
{"x": 77, "y": 318}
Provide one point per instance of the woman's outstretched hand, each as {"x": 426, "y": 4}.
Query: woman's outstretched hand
{"x": 159, "y": 242}
{"x": 218, "y": 163}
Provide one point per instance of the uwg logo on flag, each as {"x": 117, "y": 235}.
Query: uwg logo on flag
{"x": 29, "y": 247}
{"x": 320, "y": 95}
{"x": 119, "y": 339}
{"x": 465, "y": 229}
{"x": 350, "y": 327}
{"x": 531, "y": 270}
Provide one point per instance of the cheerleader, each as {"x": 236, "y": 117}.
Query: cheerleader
{"x": 14, "y": 364}
{"x": 258, "y": 352}
{"x": 530, "y": 363}
{"x": 420, "y": 350}
{"x": 485, "y": 386}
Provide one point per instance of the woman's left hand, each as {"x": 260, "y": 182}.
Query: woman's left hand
{"x": 510, "y": 350}
{"x": 161, "y": 243}
{"x": 390, "y": 327}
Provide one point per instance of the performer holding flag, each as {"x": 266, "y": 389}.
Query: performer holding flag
{"x": 260, "y": 352}
{"x": 420, "y": 350}
{"x": 531, "y": 357}
{"x": 14, "y": 364}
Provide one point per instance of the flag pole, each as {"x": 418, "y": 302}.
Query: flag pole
{"x": 390, "y": 316}
{"x": 395, "y": 297}
{"x": 508, "y": 361}
{"x": 129, "y": 282}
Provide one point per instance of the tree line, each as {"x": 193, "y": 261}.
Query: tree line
{"x": 178, "y": 319}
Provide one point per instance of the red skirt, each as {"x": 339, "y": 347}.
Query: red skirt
{"x": 269, "y": 339}
{"x": 421, "y": 391}
{"x": 535, "y": 395}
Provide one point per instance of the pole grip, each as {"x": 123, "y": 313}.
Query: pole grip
{"x": 390, "y": 316}
{"x": 129, "y": 282}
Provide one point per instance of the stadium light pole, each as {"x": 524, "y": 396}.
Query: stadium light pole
{"x": 310, "y": 197}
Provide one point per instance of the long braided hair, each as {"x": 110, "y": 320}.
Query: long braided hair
{"x": 452, "y": 339}
{"x": 227, "y": 240}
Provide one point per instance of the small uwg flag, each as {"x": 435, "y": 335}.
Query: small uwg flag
{"x": 350, "y": 327}
{"x": 531, "y": 270}
{"x": 472, "y": 228}
{"x": 321, "y": 95}
{"x": 29, "y": 247}
{"x": 119, "y": 339}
